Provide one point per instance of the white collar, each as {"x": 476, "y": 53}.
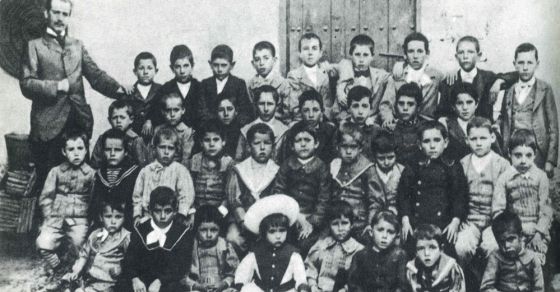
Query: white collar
{"x": 220, "y": 84}
{"x": 144, "y": 89}
{"x": 305, "y": 161}
{"x": 384, "y": 176}
{"x": 311, "y": 72}
{"x": 468, "y": 76}
{"x": 184, "y": 88}
{"x": 529, "y": 83}
{"x": 53, "y": 33}
{"x": 257, "y": 176}
{"x": 463, "y": 125}
{"x": 158, "y": 234}
{"x": 480, "y": 163}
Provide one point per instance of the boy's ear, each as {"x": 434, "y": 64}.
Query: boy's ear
{"x": 210, "y": 62}
{"x": 232, "y": 64}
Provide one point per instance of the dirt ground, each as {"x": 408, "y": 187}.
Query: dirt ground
{"x": 20, "y": 268}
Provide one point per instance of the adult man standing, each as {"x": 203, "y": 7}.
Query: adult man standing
{"x": 52, "y": 79}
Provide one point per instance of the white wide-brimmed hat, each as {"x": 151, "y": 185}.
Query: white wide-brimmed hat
{"x": 269, "y": 205}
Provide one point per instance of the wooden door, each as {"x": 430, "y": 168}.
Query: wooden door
{"x": 336, "y": 22}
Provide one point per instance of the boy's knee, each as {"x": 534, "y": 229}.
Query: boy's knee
{"x": 47, "y": 241}
{"x": 78, "y": 234}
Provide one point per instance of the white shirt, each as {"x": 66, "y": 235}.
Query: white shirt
{"x": 305, "y": 161}
{"x": 384, "y": 176}
{"x": 463, "y": 125}
{"x": 522, "y": 89}
{"x": 143, "y": 89}
{"x": 468, "y": 77}
{"x": 158, "y": 234}
{"x": 220, "y": 84}
{"x": 311, "y": 72}
{"x": 480, "y": 163}
{"x": 53, "y": 33}
{"x": 184, "y": 88}
{"x": 412, "y": 75}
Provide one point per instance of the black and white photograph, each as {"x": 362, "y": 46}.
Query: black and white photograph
{"x": 279, "y": 146}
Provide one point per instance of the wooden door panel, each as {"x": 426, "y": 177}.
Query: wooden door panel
{"x": 317, "y": 19}
{"x": 402, "y": 21}
{"x": 373, "y": 22}
{"x": 295, "y": 30}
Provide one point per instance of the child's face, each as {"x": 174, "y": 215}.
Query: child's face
{"x": 263, "y": 61}
{"x": 465, "y": 106}
{"x": 428, "y": 251}
{"x": 384, "y": 234}
{"x": 276, "y": 235}
{"x": 226, "y": 112}
{"x": 112, "y": 219}
{"x": 310, "y": 52}
{"x": 75, "y": 151}
{"x": 221, "y": 68}
{"x": 480, "y": 140}
{"x": 182, "y": 68}
{"x": 406, "y": 108}
{"x": 467, "y": 56}
{"x": 261, "y": 147}
{"x": 311, "y": 112}
{"x": 416, "y": 54}
{"x": 266, "y": 106}
{"x": 114, "y": 151}
{"x": 145, "y": 71}
{"x": 305, "y": 145}
{"x": 165, "y": 151}
{"x": 526, "y": 64}
{"x": 120, "y": 119}
{"x": 212, "y": 144}
{"x": 173, "y": 111}
{"x": 510, "y": 243}
{"x": 433, "y": 144}
{"x": 522, "y": 158}
{"x": 385, "y": 161}
{"x": 207, "y": 234}
{"x": 340, "y": 228}
{"x": 163, "y": 215}
{"x": 348, "y": 149}
{"x": 362, "y": 57}
{"x": 360, "y": 110}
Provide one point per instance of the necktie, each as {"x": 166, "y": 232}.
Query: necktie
{"x": 365, "y": 73}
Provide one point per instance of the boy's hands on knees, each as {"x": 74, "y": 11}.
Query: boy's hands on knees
{"x": 138, "y": 285}
{"x": 406, "y": 228}
{"x": 549, "y": 169}
{"x": 155, "y": 286}
{"x": 452, "y": 229}
{"x": 147, "y": 128}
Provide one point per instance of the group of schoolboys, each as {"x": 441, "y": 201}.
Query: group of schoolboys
{"x": 428, "y": 181}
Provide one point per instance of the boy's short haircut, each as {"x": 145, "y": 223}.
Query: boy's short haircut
{"x": 506, "y": 221}
{"x": 208, "y": 213}
{"x": 119, "y": 104}
{"x": 470, "y": 39}
{"x": 310, "y": 95}
{"x": 383, "y": 143}
{"x": 260, "y": 128}
{"x": 114, "y": 204}
{"x": 166, "y": 133}
{"x": 428, "y": 232}
{"x": 300, "y": 128}
{"x": 266, "y": 89}
{"x": 309, "y": 36}
{"x": 222, "y": 52}
{"x": 264, "y": 45}
{"x": 352, "y": 130}
{"x": 463, "y": 88}
{"x": 362, "y": 40}
{"x": 357, "y": 93}
{"x": 273, "y": 220}
{"x": 210, "y": 126}
{"x": 144, "y": 56}
{"x": 163, "y": 196}
{"x": 479, "y": 122}
{"x": 527, "y": 47}
{"x": 523, "y": 137}
{"x": 180, "y": 52}
{"x": 113, "y": 134}
{"x": 431, "y": 125}
{"x": 339, "y": 208}
{"x": 416, "y": 36}
{"x": 387, "y": 216}
{"x": 74, "y": 134}
{"x": 170, "y": 95}
{"x": 411, "y": 90}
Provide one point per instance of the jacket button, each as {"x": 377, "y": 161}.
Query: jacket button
{"x": 419, "y": 192}
{"x": 273, "y": 266}
{"x": 419, "y": 182}
{"x": 438, "y": 214}
{"x": 417, "y": 204}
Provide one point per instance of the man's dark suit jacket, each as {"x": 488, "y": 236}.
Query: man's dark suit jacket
{"x": 234, "y": 90}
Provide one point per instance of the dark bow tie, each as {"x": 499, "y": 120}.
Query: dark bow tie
{"x": 365, "y": 73}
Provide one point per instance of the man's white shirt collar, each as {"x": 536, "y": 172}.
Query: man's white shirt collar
{"x": 468, "y": 77}
{"x": 53, "y": 33}
{"x": 463, "y": 125}
{"x": 184, "y": 88}
{"x": 311, "y": 73}
{"x": 220, "y": 84}
{"x": 480, "y": 163}
{"x": 143, "y": 89}
{"x": 523, "y": 88}
{"x": 158, "y": 234}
